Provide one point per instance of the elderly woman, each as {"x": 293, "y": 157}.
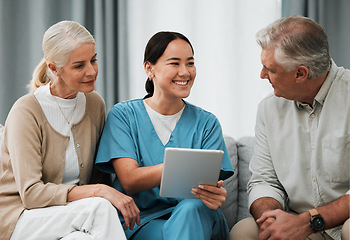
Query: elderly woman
{"x": 49, "y": 145}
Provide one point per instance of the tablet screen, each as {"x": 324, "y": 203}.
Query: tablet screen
{"x": 186, "y": 168}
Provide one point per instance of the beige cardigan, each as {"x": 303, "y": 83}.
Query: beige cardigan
{"x": 32, "y": 157}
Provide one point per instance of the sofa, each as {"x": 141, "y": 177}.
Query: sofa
{"x": 240, "y": 152}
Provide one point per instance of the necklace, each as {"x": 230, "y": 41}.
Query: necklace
{"x": 75, "y": 105}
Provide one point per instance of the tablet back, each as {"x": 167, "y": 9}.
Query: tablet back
{"x": 187, "y": 168}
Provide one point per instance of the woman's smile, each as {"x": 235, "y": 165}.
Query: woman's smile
{"x": 181, "y": 83}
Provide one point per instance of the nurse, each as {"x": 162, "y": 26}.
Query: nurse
{"x": 138, "y": 131}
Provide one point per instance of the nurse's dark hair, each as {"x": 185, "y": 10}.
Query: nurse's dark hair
{"x": 155, "y": 49}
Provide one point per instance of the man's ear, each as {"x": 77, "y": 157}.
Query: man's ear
{"x": 301, "y": 74}
{"x": 148, "y": 69}
{"x": 52, "y": 67}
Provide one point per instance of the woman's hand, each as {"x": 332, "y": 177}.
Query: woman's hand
{"x": 212, "y": 196}
{"x": 122, "y": 202}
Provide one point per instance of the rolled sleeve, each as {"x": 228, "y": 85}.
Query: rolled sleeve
{"x": 260, "y": 191}
{"x": 264, "y": 181}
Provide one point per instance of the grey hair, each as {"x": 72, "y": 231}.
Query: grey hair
{"x": 58, "y": 42}
{"x": 297, "y": 41}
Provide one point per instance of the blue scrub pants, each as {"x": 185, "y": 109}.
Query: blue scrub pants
{"x": 191, "y": 220}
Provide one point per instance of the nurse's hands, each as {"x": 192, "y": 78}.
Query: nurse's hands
{"x": 212, "y": 196}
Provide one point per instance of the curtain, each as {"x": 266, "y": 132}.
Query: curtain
{"x": 227, "y": 57}
{"x": 334, "y": 16}
{"x": 222, "y": 33}
{"x": 22, "y": 26}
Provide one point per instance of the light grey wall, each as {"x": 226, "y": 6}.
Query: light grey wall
{"x": 334, "y": 16}
{"x": 22, "y": 26}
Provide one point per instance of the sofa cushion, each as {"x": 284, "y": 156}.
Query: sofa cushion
{"x": 229, "y": 208}
{"x": 245, "y": 149}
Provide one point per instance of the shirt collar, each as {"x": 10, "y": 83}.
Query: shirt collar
{"x": 322, "y": 93}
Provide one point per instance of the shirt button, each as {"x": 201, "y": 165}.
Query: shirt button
{"x": 82, "y": 165}
{"x": 78, "y": 145}
{"x": 313, "y": 179}
{"x": 313, "y": 147}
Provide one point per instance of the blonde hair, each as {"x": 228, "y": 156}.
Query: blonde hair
{"x": 58, "y": 42}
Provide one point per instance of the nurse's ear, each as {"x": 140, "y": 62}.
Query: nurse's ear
{"x": 148, "y": 69}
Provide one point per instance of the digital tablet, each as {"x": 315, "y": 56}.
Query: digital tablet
{"x": 186, "y": 168}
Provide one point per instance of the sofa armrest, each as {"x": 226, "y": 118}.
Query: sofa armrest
{"x": 245, "y": 150}
{"x": 229, "y": 208}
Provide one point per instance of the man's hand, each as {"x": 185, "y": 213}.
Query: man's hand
{"x": 277, "y": 224}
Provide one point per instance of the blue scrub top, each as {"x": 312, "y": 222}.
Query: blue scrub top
{"x": 129, "y": 133}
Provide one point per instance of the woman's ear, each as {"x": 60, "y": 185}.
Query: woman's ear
{"x": 52, "y": 67}
{"x": 302, "y": 74}
{"x": 148, "y": 69}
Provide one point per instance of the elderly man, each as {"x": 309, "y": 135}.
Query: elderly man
{"x": 299, "y": 187}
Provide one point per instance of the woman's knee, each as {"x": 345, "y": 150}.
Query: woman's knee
{"x": 103, "y": 205}
{"x": 191, "y": 205}
{"x": 196, "y": 209}
{"x": 97, "y": 207}
{"x": 102, "y": 202}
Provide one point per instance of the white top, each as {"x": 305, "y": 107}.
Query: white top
{"x": 73, "y": 109}
{"x": 164, "y": 125}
